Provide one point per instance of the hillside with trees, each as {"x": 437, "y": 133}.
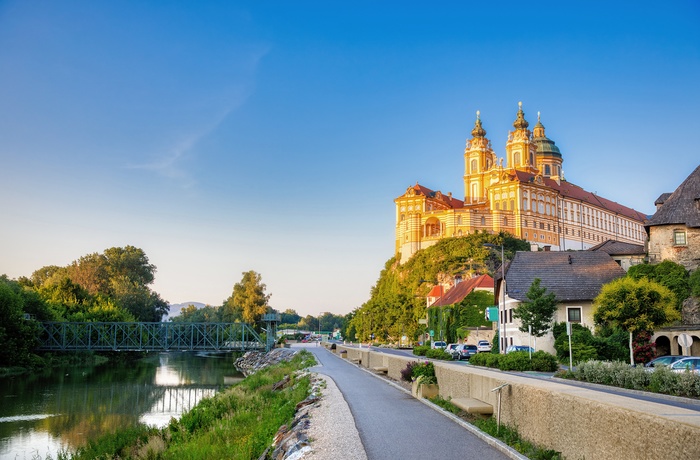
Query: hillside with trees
{"x": 398, "y": 299}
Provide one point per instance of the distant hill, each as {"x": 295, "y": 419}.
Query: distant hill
{"x": 176, "y": 307}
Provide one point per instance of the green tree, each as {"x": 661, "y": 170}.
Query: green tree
{"x": 634, "y": 305}
{"x": 537, "y": 313}
{"x": 290, "y": 316}
{"x": 694, "y": 283}
{"x": 397, "y": 301}
{"x": 17, "y": 335}
{"x": 667, "y": 273}
{"x": 248, "y": 298}
{"x": 206, "y": 314}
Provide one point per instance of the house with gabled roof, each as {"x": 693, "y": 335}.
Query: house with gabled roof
{"x": 674, "y": 234}
{"x": 575, "y": 278}
{"x": 625, "y": 254}
{"x": 674, "y": 230}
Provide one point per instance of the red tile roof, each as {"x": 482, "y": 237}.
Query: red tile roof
{"x": 572, "y": 191}
{"x": 463, "y": 289}
{"x": 450, "y": 201}
{"x": 436, "y": 291}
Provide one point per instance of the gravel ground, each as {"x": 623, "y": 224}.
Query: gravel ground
{"x": 332, "y": 431}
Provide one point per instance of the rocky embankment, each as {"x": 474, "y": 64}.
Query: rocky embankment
{"x": 253, "y": 361}
{"x": 292, "y": 442}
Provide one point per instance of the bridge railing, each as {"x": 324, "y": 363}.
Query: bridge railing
{"x": 117, "y": 336}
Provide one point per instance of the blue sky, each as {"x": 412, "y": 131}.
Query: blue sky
{"x": 222, "y": 137}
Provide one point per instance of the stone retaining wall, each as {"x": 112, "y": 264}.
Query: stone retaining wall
{"x": 578, "y": 422}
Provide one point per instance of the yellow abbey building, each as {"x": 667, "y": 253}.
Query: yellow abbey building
{"x": 527, "y": 197}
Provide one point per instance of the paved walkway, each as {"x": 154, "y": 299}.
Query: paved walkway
{"x": 394, "y": 425}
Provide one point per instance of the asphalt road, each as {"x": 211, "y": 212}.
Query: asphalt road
{"x": 394, "y": 425}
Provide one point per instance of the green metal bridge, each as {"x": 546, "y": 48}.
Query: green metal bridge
{"x": 114, "y": 336}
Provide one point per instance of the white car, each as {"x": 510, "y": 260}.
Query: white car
{"x": 439, "y": 344}
{"x": 451, "y": 347}
{"x": 483, "y": 346}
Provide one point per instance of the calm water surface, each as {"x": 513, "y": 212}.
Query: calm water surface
{"x": 60, "y": 410}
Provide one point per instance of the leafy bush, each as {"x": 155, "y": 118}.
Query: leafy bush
{"x": 421, "y": 350}
{"x": 425, "y": 372}
{"x": 407, "y": 372}
{"x": 515, "y": 361}
{"x": 544, "y": 362}
{"x": 661, "y": 380}
{"x": 438, "y": 353}
{"x": 485, "y": 359}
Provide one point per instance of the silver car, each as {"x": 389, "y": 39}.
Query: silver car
{"x": 686, "y": 365}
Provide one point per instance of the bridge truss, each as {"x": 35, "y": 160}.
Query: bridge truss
{"x": 115, "y": 336}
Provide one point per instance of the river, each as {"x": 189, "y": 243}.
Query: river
{"x": 60, "y": 409}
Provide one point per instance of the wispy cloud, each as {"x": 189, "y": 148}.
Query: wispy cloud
{"x": 171, "y": 163}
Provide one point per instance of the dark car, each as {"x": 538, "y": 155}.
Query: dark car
{"x": 464, "y": 352}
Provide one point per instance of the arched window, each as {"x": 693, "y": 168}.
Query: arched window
{"x": 473, "y": 169}
{"x": 547, "y": 170}
{"x": 516, "y": 159}
{"x": 525, "y": 204}
{"x": 505, "y": 221}
{"x": 512, "y": 205}
{"x": 483, "y": 220}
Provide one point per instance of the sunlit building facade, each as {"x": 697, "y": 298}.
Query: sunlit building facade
{"x": 524, "y": 194}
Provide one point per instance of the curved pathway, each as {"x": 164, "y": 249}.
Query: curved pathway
{"x": 392, "y": 424}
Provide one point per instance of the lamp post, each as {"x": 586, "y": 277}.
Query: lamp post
{"x": 319, "y": 325}
{"x": 502, "y": 319}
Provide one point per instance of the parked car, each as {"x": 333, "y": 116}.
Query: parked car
{"x": 483, "y": 345}
{"x": 438, "y": 344}
{"x": 464, "y": 351}
{"x": 519, "y": 348}
{"x": 664, "y": 360}
{"x": 687, "y": 364}
{"x": 451, "y": 347}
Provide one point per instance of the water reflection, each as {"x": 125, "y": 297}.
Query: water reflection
{"x": 59, "y": 410}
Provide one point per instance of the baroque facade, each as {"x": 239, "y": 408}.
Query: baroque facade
{"x": 525, "y": 195}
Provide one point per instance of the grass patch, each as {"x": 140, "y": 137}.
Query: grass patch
{"x": 238, "y": 423}
{"x": 508, "y": 434}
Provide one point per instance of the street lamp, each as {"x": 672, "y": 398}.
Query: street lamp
{"x": 319, "y": 325}
{"x": 502, "y": 339}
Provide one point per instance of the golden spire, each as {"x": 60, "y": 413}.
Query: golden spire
{"x": 520, "y": 122}
{"x": 478, "y": 130}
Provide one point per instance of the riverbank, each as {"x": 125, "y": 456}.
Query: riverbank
{"x": 237, "y": 423}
